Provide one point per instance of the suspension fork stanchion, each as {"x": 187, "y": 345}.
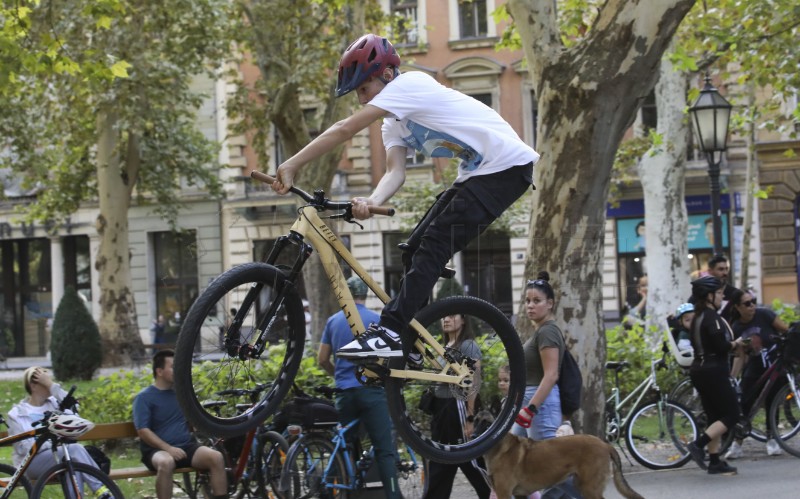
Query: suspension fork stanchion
{"x": 71, "y": 475}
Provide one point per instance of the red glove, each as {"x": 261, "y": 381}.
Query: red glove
{"x": 525, "y": 417}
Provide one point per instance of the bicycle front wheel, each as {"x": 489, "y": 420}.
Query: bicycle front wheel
{"x": 658, "y": 433}
{"x": 72, "y": 485}
{"x": 784, "y": 418}
{"x": 313, "y": 470}
{"x": 23, "y": 488}
{"x": 270, "y": 457}
{"x": 217, "y": 350}
{"x": 495, "y": 345}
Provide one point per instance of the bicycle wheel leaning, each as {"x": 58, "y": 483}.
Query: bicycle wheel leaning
{"x": 66, "y": 484}
{"x": 23, "y": 488}
{"x": 498, "y": 345}
{"x": 658, "y": 433}
{"x": 784, "y": 417}
{"x": 217, "y": 347}
{"x": 270, "y": 457}
{"x": 310, "y": 465}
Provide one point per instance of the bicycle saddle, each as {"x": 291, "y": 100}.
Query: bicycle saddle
{"x": 617, "y": 365}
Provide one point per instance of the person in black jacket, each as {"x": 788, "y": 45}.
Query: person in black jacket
{"x": 713, "y": 343}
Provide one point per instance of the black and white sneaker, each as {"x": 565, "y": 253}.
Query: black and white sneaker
{"x": 375, "y": 342}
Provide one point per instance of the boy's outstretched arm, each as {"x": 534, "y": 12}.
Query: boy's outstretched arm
{"x": 389, "y": 184}
{"x": 334, "y": 136}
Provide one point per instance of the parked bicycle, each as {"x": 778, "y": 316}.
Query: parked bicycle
{"x": 216, "y": 351}
{"x": 59, "y": 429}
{"x": 249, "y": 459}
{"x": 656, "y": 430}
{"x": 332, "y": 463}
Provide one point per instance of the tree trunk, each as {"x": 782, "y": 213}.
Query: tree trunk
{"x": 751, "y": 183}
{"x": 662, "y": 172}
{"x": 118, "y": 328}
{"x": 587, "y": 97}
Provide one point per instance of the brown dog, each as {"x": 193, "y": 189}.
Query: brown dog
{"x": 520, "y": 466}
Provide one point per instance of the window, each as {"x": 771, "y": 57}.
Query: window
{"x": 483, "y": 98}
{"x": 393, "y": 261}
{"x": 649, "y": 113}
{"x": 487, "y": 270}
{"x": 175, "y": 256}
{"x": 534, "y": 117}
{"x": 472, "y": 17}
{"x": 405, "y": 25}
{"x": 77, "y": 266}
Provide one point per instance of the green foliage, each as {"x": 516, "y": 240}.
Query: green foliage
{"x": 75, "y": 339}
{"x": 787, "y": 313}
{"x": 111, "y": 400}
{"x": 631, "y": 344}
{"x": 50, "y": 123}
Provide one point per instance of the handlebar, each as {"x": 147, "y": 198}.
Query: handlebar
{"x": 69, "y": 402}
{"x": 318, "y": 198}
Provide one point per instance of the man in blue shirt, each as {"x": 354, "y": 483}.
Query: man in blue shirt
{"x": 164, "y": 435}
{"x": 367, "y": 403}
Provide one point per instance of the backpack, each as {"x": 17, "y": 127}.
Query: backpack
{"x": 570, "y": 384}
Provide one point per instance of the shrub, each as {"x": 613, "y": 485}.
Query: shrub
{"x": 631, "y": 344}
{"x": 75, "y": 342}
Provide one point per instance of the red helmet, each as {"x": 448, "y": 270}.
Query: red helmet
{"x": 367, "y": 56}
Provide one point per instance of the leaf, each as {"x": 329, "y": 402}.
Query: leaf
{"x": 120, "y": 69}
{"x": 103, "y": 22}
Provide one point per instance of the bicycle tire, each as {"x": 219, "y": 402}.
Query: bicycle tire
{"x": 23, "y": 487}
{"x": 204, "y": 365}
{"x": 499, "y": 345}
{"x": 685, "y": 393}
{"x": 60, "y": 474}
{"x": 270, "y": 456}
{"x": 657, "y": 438}
{"x": 304, "y": 469}
{"x": 784, "y": 418}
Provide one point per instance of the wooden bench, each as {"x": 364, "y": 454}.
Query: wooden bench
{"x": 116, "y": 431}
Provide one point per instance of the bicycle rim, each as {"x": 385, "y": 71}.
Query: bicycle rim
{"x": 212, "y": 354}
{"x": 23, "y": 488}
{"x": 308, "y": 468}
{"x": 657, "y": 435}
{"x": 686, "y": 395}
{"x": 784, "y": 416}
{"x": 453, "y": 441}
{"x": 59, "y": 474}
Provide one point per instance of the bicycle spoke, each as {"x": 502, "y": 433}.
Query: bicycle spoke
{"x": 657, "y": 435}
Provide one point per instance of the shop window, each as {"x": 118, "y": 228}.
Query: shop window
{"x": 176, "y": 284}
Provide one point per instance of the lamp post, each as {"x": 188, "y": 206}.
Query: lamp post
{"x": 711, "y": 114}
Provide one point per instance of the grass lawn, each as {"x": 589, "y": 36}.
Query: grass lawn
{"x": 124, "y": 455}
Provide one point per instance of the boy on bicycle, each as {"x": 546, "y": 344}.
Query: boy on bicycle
{"x": 421, "y": 114}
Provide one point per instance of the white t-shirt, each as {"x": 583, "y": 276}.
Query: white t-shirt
{"x": 442, "y": 122}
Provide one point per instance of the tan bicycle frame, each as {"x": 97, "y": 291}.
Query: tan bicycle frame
{"x": 328, "y": 246}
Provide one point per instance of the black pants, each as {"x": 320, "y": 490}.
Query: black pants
{"x": 713, "y": 383}
{"x": 446, "y": 428}
{"x": 457, "y": 217}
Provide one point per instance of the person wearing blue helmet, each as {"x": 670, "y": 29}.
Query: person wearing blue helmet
{"x": 684, "y": 316}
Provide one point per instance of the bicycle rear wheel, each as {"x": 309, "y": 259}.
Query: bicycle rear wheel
{"x": 498, "y": 345}
{"x": 64, "y": 483}
{"x": 313, "y": 470}
{"x": 784, "y": 417}
{"x": 658, "y": 433}
{"x": 215, "y": 349}
{"x": 23, "y": 488}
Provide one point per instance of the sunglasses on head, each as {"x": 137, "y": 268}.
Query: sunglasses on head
{"x": 537, "y": 282}
{"x": 749, "y": 303}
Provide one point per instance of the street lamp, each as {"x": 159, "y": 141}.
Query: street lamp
{"x": 711, "y": 114}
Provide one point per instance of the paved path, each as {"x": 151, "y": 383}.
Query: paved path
{"x": 759, "y": 476}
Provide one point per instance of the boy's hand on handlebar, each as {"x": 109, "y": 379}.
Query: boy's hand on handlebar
{"x": 361, "y": 208}
{"x": 284, "y": 179}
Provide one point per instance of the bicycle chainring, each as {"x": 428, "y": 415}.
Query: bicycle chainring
{"x": 471, "y": 384}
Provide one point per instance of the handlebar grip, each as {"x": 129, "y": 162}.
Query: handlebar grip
{"x": 381, "y": 210}
{"x": 262, "y": 177}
